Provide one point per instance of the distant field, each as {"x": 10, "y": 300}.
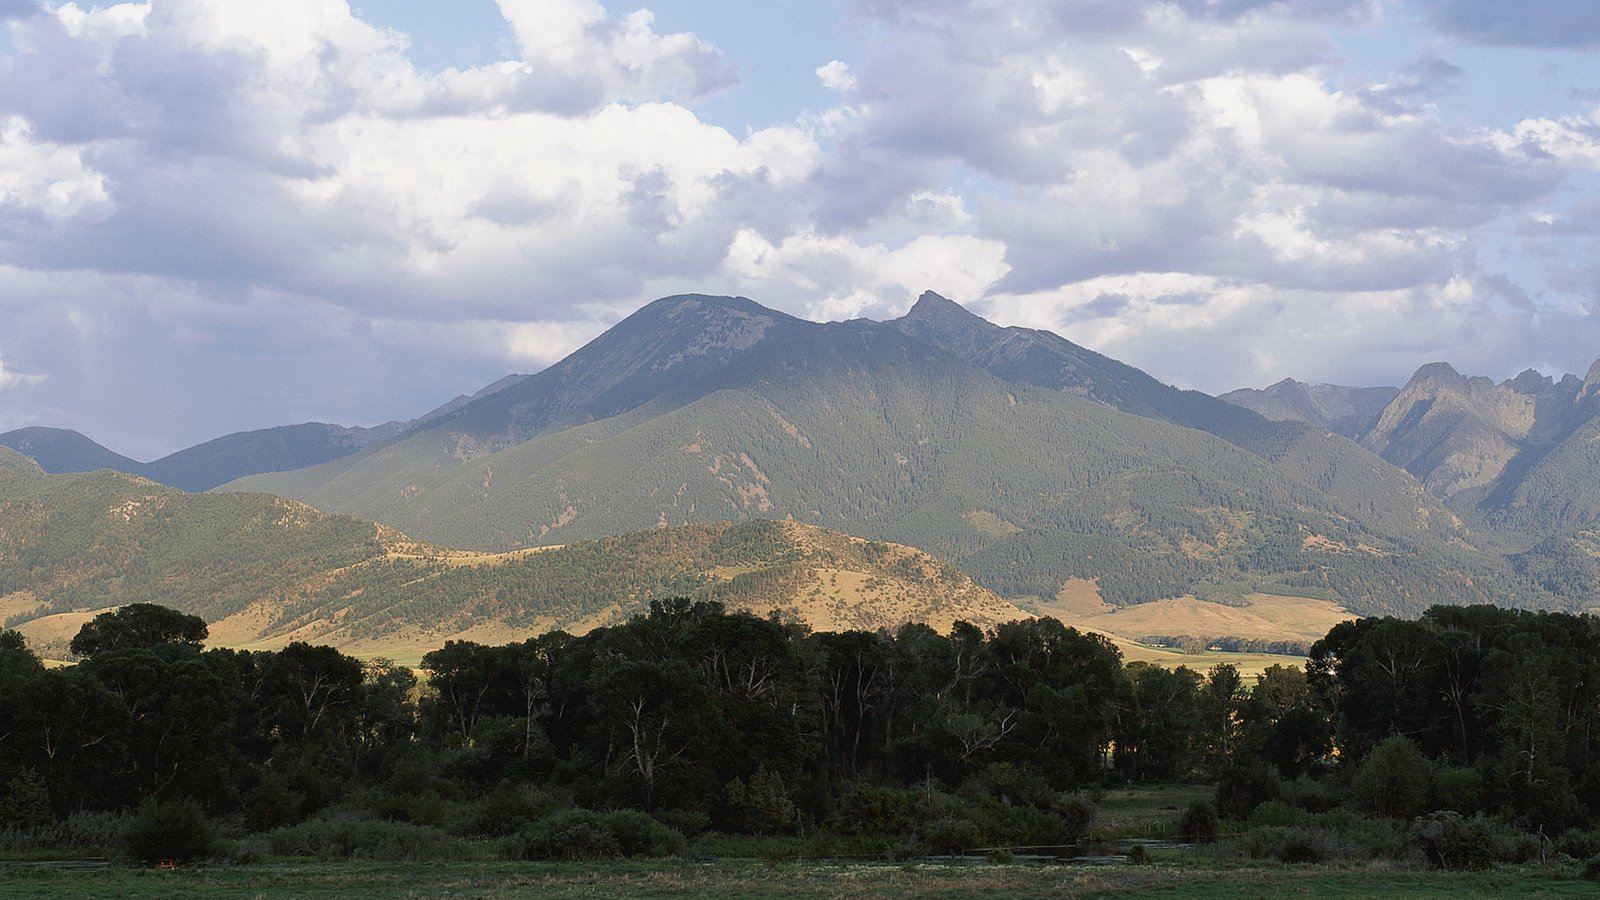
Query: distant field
{"x": 1266, "y": 616}
{"x": 395, "y": 881}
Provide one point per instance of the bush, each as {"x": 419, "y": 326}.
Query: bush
{"x": 25, "y": 801}
{"x": 1309, "y": 794}
{"x": 1579, "y": 843}
{"x": 1299, "y": 844}
{"x": 83, "y": 830}
{"x": 687, "y": 822}
{"x": 348, "y": 838}
{"x": 1450, "y": 840}
{"x": 586, "y": 834}
{"x": 508, "y": 811}
{"x": 273, "y": 803}
{"x": 1458, "y": 789}
{"x": 1198, "y": 824}
{"x": 1394, "y": 779}
{"x": 1365, "y": 837}
{"x": 1012, "y": 785}
{"x": 865, "y": 809}
{"x": 1077, "y": 813}
{"x": 1243, "y": 788}
{"x": 1139, "y": 855}
{"x": 762, "y": 807}
{"x": 172, "y": 829}
{"x": 1276, "y": 812}
{"x": 948, "y": 836}
{"x": 998, "y": 824}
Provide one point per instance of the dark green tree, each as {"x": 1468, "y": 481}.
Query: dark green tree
{"x": 138, "y": 626}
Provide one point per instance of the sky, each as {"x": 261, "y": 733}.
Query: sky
{"x": 218, "y": 216}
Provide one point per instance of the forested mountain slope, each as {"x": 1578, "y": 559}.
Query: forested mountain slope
{"x": 1356, "y": 483}
{"x": 703, "y": 409}
{"x": 99, "y": 539}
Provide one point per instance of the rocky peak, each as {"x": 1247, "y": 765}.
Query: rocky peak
{"x": 1530, "y": 381}
{"x": 1439, "y": 375}
{"x": 935, "y": 308}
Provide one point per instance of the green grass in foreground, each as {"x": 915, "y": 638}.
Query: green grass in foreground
{"x": 395, "y": 881}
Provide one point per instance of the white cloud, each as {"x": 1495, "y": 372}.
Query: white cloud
{"x": 835, "y": 75}
{"x": 9, "y": 379}
{"x": 275, "y": 192}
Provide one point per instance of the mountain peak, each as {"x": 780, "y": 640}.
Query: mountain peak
{"x": 1591, "y": 382}
{"x": 932, "y": 307}
{"x": 1530, "y": 381}
{"x": 932, "y": 303}
{"x": 948, "y": 325}
{"x": 1439, "y": 374}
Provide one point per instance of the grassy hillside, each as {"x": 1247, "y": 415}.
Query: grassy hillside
{"x": 266, "y": 570}
{"x": 99, "y": 539}
{"x": 411, "y": 602}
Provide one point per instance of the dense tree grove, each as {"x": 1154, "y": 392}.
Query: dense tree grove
{"x": 691, "y": 718}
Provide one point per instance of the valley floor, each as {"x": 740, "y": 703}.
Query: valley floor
{"x": 394, "y": 881}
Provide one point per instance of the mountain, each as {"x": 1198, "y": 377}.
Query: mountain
{"x": 701, "y": 408}
{"x": 204, "y": 466}
{"x": 1520, "y": 455}
{"x": 92, "y": 540}
{"x": 1040, "y": 358}
{"x": 1353, "y": 481}
{"x": 1349, "y": 411}
{"x": 59, "y": 450}
{"x": 265, "y": 571}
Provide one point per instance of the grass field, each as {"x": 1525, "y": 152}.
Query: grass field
{"x": 400, "y": 881}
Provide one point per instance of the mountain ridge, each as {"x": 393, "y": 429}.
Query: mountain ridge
{"x": 862, "y": 426}
{"x": 266, "y": 571}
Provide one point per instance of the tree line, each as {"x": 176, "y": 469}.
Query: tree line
{"x": 699, "y": 719}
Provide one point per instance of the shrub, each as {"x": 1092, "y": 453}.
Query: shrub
{"x": 349, "y": 838}
{"x": 1198, "y": 824}
{"x": 866, "y": 809}
{"x": 762, "y": 807}
{"x": 273, "y": 803}
{"x": 1309, "y": 794}
{"x": 1139, "y": 855}
{"x": 1458, "y": 789}
{"x": 83, "y": 830}
{"x": 1276, "y": 812}
{"x": 1242, "y": 788}
{"x": 508, "y": 811}
{"x": 1450, "y": 840}
{"x": 1591, "y": 869}
{"x": 1394, "y": 779}
{"x": 25, "y": 801}
{"x": 1012, "y": 785}
{"x": 996, "y": 823}
{"x": 1299, "y": 844}
{"x": 948, "y": 836}
{"x": 1364, "y": 836}
{"x": 688, "y": 822}
{"x": 1579, "y": 843}
{"x": 171, "y": 829}
{"x": 1077, "y": 812}
{"x": 586, "y": 834}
